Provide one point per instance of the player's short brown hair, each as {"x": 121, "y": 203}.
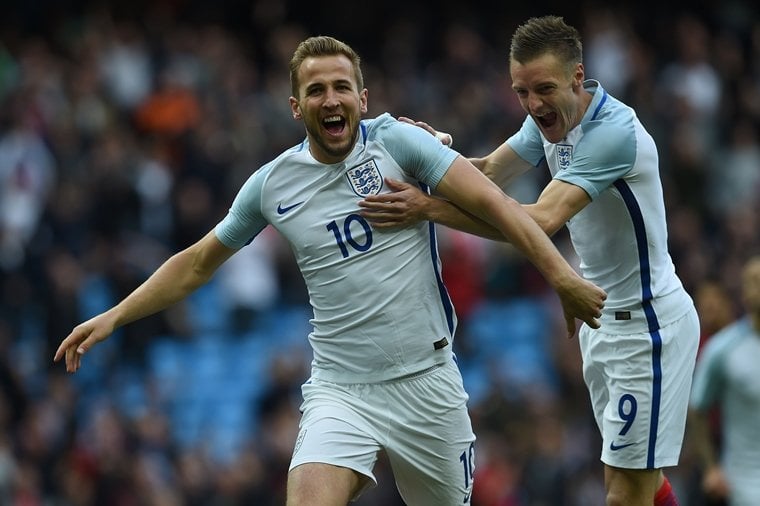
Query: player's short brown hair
{"x": 547, "y": 34}
{"x": 323, "y": 45}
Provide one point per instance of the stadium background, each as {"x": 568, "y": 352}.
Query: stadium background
{"x": 126, "y": 130}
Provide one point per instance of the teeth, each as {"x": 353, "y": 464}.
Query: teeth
{"x": 332, "y": 118}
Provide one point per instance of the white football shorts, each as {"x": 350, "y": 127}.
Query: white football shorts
{"x": 421, "y": 421}
{"x": 639, "y": 386}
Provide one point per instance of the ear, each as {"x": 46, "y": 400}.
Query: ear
{"x": 363, "y": 100}
{"x": 295, "y": 108}
{"x": 579, "y": 76}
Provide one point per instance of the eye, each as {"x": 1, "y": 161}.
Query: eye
{"x": 312, "y": 91}
{"x": 546, "y": 90}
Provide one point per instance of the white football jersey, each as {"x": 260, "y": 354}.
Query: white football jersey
{"x": 380, "y": 309}
{"x": 621, "y": 236}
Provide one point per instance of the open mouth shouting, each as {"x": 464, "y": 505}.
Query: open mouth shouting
{"x": 551, "y": 126}
{"x": 334, "y": 125}
{"x": 547, "y": 120}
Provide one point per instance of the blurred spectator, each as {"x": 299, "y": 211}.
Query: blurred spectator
{"x": 733, "y": 178}
{"x": 249, "y": 281}
{"x": 691, "y": 82}
{"x": 172, "y": 109}
{"x": 124, "y": 60}
{"x": 715, "y": 307}
{"x": 607, "y": 49}
{"x": 27, "y": 175}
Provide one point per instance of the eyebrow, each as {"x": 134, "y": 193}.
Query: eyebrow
{"x": 336, "y": 82}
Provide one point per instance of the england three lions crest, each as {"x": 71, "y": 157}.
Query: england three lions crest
{"x": 365, "y": 178}
{"x": 564, "y": 156}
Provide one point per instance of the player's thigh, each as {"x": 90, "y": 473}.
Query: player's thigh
{"x": 337, "y": 429}
{"x": 441, "y": 475}
{"x": 679, "y": 355}
{"x": 432, "y": 449}
{"x": 318, "y": 484}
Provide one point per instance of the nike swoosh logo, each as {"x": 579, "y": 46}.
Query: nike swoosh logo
{"x": 615, "y": 447}
{"x": 283, "y": 210}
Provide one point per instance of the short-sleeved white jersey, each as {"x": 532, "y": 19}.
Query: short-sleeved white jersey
{"x": 380, "y": 309}
{"x": 621, "y": 236}
{"x": 727, "y": 376}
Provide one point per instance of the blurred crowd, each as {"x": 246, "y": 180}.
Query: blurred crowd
{"x": 125, "y": 133}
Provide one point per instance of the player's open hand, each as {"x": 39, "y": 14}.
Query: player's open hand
{"x": 582, "y": 300}
{"x": 81, "y": 339}
{"x": 403, "y": 207}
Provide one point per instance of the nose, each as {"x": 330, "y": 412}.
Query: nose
{"x": 534, "y": 102}
{"x": 331, "y": 99}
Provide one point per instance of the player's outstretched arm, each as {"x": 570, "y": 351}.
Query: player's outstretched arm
{"x": 174, "y": 280}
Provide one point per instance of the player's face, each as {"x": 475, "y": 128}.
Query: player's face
{"x": 554, "y": 99}
{"x": 331, "y": 106}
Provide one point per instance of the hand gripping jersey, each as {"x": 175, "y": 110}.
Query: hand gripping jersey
{"x": 380, "y": 310}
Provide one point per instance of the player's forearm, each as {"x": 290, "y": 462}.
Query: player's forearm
{"x": 501, "y": 174}
{"x": 480, "y": 163}
{"x": 548, "y": 223}
{"x": 699, "y": 435}
{"x": 444, "y": 212}
{"x": 525, "y": 234}
{"x": 169, "y": 284}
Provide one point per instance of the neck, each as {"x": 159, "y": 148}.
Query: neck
{"x": 586, "y": 99}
